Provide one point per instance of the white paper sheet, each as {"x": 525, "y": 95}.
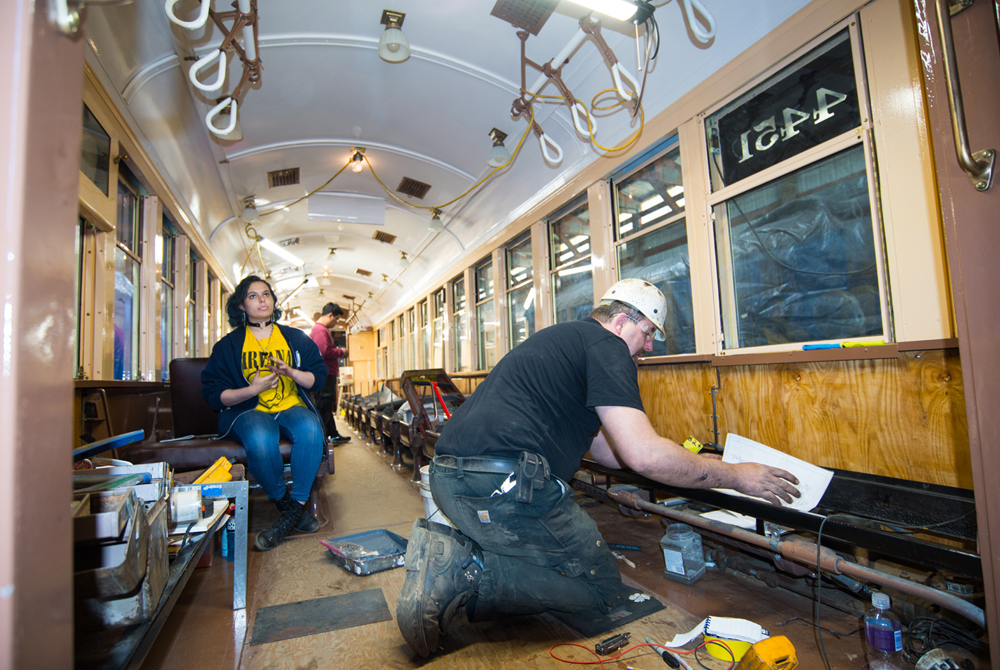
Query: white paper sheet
{"x": 732, "y": 518}
{"x": 813, "y": 479}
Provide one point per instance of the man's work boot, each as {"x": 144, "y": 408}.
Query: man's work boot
{"x": 307, "y": 523}
{"x": 443, "y": 570}
{"x": 273, "y": 535}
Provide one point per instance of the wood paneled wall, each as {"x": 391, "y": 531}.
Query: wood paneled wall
{"x": 902, "y": 417}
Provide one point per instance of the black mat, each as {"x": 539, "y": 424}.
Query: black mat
{"x": 309, "y": 617}
{"x": 625, "y": 611}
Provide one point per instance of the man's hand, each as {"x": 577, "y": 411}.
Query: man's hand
{"x": 764, "y": 481}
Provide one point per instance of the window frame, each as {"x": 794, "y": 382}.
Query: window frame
{"x": 725, "y": 299}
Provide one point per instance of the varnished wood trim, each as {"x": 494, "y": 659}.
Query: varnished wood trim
{"x": 848, "y": 354}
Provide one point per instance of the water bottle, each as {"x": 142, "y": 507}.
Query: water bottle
{"x": 883, "y": 635}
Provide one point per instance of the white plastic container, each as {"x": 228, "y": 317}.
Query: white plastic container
{"x": 682, "y": 554}
{"x": 431, "y": 511}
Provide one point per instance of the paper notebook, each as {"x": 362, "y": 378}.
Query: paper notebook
{"x": 725, "y": 627}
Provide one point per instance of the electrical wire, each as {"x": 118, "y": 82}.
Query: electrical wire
{"x": 295, "y": 202}
{"x": 479, "y": 183}
{"x": 927, "y": 633}
{"x": 611, "y": 107}
{"x": 819, "y": 585}
{"x": 601, "y": 661}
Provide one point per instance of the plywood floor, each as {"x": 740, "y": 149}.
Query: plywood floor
{"x": 366, "y": 493}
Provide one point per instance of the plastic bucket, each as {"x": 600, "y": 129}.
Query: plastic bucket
{"x": 431, "y": 511}
{"x": 738, "y": 648}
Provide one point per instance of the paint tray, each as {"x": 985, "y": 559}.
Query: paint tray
{"x": 368, "y": 552}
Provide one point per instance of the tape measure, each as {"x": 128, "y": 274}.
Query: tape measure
{"x": 693, "y": 445}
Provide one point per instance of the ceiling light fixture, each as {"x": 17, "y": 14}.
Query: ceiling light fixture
{"x": 393, "y": 47}
{"x": 435, "y": 225}
{"x": 280, "y": 251}
{"x": 616, "y": 9}
{"x": 384, "y": 282}
{"x": 498, "y": 154}
{"x": 358, "y": 159}
{"x": 403, "y": 260}
{"x": 249, "y": 213}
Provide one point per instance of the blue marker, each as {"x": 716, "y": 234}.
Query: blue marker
{"x": 810, "y": 347}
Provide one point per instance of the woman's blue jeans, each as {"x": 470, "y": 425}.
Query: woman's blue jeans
{"x": 259, "y": 433}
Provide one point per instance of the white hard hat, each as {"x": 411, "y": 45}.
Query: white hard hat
{"x": 643, "y": 297}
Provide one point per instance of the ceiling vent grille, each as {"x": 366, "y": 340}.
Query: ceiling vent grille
{"x": 412, "y": 187}
{"x": 384, "y": 238}
{"x": 287, "y": 177}
{"x": 349, "y": 297}
{"x": 364, "y": 273}
{"x": 528, "y": 15}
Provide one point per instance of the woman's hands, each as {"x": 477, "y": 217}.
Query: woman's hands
{"x": 264, "y": 382}
{"x": 280, "y": 367}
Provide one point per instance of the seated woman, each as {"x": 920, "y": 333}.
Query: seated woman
{"x": 257, "y": 377}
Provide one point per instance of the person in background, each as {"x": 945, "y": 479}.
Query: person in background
{"x": 326, "y": 399}
{"x": 520, "y": 543}
{"x": 258, "y": 378}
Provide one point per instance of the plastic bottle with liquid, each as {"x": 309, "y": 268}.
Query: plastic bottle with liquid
{"x": 883, "y": 635}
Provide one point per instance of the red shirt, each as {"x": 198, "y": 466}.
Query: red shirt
{"x": 331, "y": 354}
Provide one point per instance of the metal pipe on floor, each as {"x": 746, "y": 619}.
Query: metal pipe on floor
{"x": 800, "y": 550}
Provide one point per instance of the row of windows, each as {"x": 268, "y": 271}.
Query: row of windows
{"x": 784, "y": 174}
{"x": 156, "y": 303}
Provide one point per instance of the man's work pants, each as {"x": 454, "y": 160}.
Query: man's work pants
{"x": 544, "y": 555}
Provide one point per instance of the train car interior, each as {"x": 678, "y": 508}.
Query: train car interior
{"x": 409, "y": 194}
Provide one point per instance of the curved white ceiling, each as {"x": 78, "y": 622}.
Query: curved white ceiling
{"x": 323, "y": 90}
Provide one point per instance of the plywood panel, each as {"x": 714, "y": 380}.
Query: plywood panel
{"x": 678, "y": 399}
{"x": 900, "y": 417}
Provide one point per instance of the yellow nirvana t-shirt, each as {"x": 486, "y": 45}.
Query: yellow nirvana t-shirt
{"x": 255, "y": 354}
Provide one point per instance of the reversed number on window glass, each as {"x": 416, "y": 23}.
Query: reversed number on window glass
{"x": 769, "y": 132}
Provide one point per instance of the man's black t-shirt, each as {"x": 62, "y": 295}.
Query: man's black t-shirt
{"x": 541, "y": 397}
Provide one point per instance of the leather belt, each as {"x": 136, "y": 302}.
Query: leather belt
{"x": 502, "y": 466}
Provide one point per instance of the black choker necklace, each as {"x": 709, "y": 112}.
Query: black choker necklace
{"x": 257, "y": 325}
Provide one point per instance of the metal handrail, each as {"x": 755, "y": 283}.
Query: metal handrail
{"x": 978, "y": 165}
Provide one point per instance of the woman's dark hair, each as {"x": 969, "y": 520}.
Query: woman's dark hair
{"x": 237, "y": 317}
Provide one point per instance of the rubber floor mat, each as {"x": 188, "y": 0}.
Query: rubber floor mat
{"x": 630, "y": 605}
{"x": 309, "y": 617}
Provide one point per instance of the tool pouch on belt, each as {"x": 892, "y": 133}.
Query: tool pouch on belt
{"x": 532, "y": 472}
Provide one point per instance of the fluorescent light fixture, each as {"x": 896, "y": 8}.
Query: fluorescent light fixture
{"x": 279, "y": 251}
{"x": 303, "y": 315}
{"x": 287, "y": 283}
{"x": 675, "y": 190}
{"x": 616, "y": 9}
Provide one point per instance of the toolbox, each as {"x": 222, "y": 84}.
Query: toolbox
{"x": 368, "y": 552}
